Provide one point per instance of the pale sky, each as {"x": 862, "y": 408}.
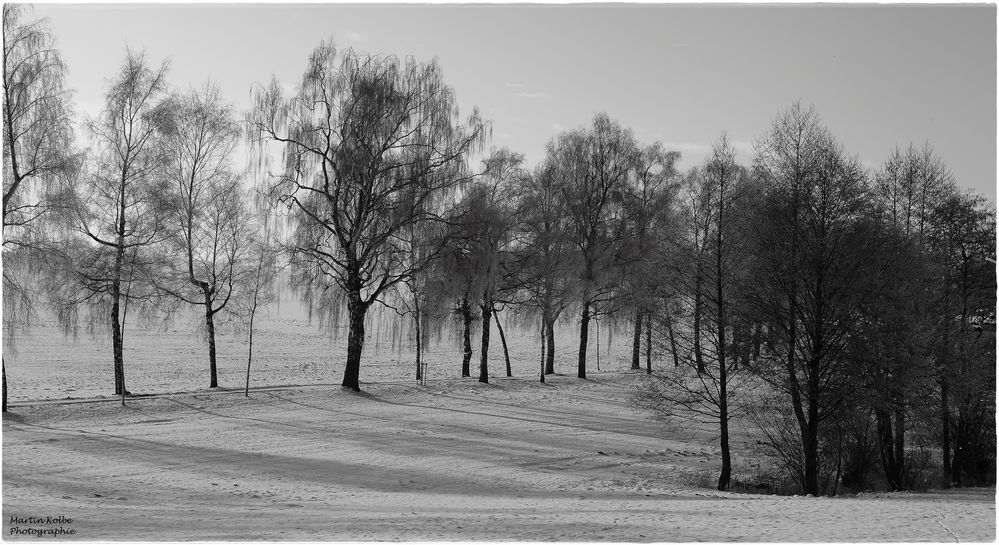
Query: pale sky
{"x": 879, "y": 76}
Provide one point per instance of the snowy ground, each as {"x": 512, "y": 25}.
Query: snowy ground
{"x": 455, "y": 460}
{"x": 289, "y": 349}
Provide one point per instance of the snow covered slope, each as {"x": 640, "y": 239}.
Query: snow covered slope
{"x": 456, "y": 460}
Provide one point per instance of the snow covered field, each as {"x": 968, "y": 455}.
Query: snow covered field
{"x": 288, "y": 350}
{"x": 456, "y": 460}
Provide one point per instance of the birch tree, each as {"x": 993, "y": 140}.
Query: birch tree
{"x": 211, "y": 222}
{"x": 123, "y": 203}
{"x": 592, "y": 167}
{"x": 39, "y": 165}
{"x": 488, "y": 223}
{"x": 649, "y": 200}
{"x": 371, "y": 144}
{"x": 546, "y": 255}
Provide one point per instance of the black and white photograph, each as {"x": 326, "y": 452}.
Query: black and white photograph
{"x": 462, "y": 272}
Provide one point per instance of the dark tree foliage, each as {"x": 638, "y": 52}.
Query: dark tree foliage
{"x": 816, "y": 264}
{"x": 962, "y": 238}
{"x": 899, "y": 343}
{"x": 710, "y": 386}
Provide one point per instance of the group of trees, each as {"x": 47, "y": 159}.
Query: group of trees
{"x": 835, "y": 309}
{"x": 152, "y": 215}
{"x": 843, "y": 312}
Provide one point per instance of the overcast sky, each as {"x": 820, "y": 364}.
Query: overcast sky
{"x": 879, "y": 76}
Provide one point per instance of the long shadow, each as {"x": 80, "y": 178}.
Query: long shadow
{"x": 546, "y": 410}
{"x": 277, "y": 423}
{"x": 520, "y": 418}
{"x": 235, "y": 464}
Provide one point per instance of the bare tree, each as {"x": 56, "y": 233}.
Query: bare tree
{"x": 697, "y": 208}
{"x": 487, "y": 232}
{"x": 421, "y": 298}
{"x": 211, "y": 238}
{"x": 38, "y": 163}
{"x": 592, "y": 167}
{"x": 372, "y": 144}
{"x": 123, "y": 203}
{"x": 259, "y": 290}
{"x": 908, "y": 187}
{"x": 648, "y": 204}
{"x": 546, "y": 256}
{"x": 816, "y": 264}
{"x": 724, "y": 173}
{"x": 961, "y": 232}
{"x": 712, "y": 389}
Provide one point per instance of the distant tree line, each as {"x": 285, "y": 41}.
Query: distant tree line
{"x": 847, "y": 314}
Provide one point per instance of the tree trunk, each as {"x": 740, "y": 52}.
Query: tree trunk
{"x": 466, "y": 316}
{"x": 648, "y": 346}
{"x": 4, "y": 369}
{"x": 116, "y": 322}
{"x": 550, "y": 356}
{"x": 544, "y": 337}
{"x": 945, "y": 427}
{"x": 249, "y": 355}
{"x": 757, "y": 341}
{"x": 506, "y": 351}
{"x": 672, "y": 338}
{"x": 210, "y": 330}
{"x": 886, "y": 446}
{"x": 636, "y": 344}
{"x": 726, "y": 469}
{"x": 419, "y": 341}
{"x": 957, "y": 466}
{"x": 355, "y": 341}
{"x": 698, "y": 358}
{"x": 598, "y": 345}
{"x": 487, "y": 314}
{"x": 900, "y": 442}
{"x": 744, "y": 347}
{"x": 116, "y": 341}
{"x": 811, "y": 442}
{"x": 584, "y": 332}
{"x": 945, "y": 394}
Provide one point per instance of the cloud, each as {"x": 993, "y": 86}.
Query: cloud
{"x": 355, "y": 36}
{"x": 515, "y": 85}
{"x": 530, "y": 95}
